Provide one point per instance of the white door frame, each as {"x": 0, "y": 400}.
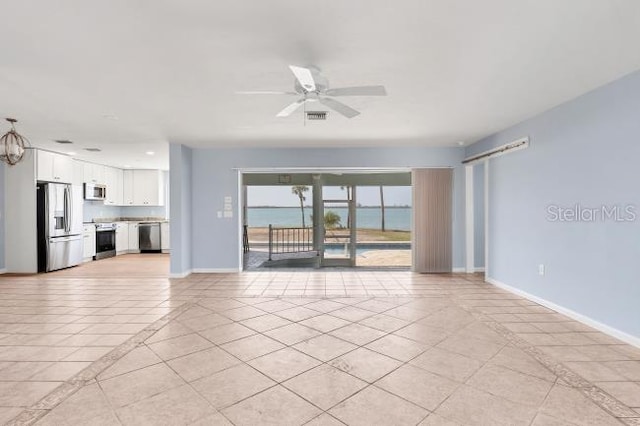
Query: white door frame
{"x": 242, "y": 170}
{"x": 470, "y": 218}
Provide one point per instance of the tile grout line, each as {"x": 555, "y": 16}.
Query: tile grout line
{"x": 328, "y": 363}
{"x": 36, "y": 411}
{"x": 591, "y": 391}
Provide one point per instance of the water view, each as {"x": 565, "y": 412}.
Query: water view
{"x": 396, "y": 218}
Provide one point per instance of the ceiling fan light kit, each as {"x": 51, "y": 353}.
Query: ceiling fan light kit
{"x": 312, "y": 86}
{"x": 12, "y": 145}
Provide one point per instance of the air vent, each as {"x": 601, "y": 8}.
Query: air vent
{"x": 317, "y": 115}
{"x": 63, "y": 141}
{"x": 93, "y": 149}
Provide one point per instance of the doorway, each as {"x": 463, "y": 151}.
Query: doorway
{"x": 338, "y": 246}
{"x": 339, "y": 220}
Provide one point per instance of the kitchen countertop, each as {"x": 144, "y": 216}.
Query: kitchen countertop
{"x": 128, "y": 219}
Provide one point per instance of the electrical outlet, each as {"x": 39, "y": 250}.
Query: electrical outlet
{"x": 541, "y": 269}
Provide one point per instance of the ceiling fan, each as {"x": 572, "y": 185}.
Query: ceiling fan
{"x": 312, "y": 86}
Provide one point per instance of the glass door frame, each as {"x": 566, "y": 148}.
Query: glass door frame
{"x": 350, "y": 202}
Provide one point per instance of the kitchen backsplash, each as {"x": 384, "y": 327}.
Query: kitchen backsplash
{"x": 95, "y": 210}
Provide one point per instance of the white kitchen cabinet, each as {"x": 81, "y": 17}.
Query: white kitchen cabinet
{"x": 93, "y": 173}
{"x": 78, "y": 173}
{"x": 113, "y": 181}
{"x": 44, "y": 165}
{"x": 122, "y": 237}
{"x": 127, "y": 188}
{"x": 89, "y": 241}
{"x": 148, "y": 188}
{"x": 52, "y": 167}
{"x": 134, "y": 243}
{"x": 165, "y": 241}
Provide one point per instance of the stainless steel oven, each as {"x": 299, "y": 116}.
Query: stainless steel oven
{"x": 105, "y": 240}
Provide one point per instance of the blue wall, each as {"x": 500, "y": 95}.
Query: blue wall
{"x": 215, "y": 242}
{"x": 582, "y": 152}
{"x": 180, "y": 184}
{"x": 478, "y": 215}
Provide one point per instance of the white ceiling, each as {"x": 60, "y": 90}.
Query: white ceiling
{"x": 455, "y": 70}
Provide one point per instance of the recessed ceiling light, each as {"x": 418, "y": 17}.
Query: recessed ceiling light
{"x": 63, "y": 141}
{"x": 461, "y": 143}
{"x": 93, "y": 149}
{"x": 151, "y": 153}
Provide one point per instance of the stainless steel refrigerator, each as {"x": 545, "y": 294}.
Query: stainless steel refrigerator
{"x": 59, "y": 226}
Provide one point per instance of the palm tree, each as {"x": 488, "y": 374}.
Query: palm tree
{"x": 331, "y": 220}
{"x": 299, "y": 190}
{"x": 382, "y": 205}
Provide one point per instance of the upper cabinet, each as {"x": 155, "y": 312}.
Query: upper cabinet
{"x": 94, "y": 173}
{"x": 52, "y": 167}
{"x": 143, "y": 188}
{"x": 113, "y": 179}
{"x": 127, "y": 188}
{"x": 78, "y": 173}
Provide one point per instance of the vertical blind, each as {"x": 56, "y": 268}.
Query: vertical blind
{"x": 432, "y": 220}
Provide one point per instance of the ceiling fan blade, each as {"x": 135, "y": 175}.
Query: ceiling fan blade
{"x": 265, "y": 92}
{"x": 339, "y": 107}
{"x": 358, "y": 91}
{"x": 291, "y": 108}
{"x": 305, "y": 78}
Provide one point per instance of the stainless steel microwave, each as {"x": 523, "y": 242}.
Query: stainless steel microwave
{"x": 95, "y": 191}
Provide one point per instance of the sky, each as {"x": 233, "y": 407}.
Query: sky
{"x": 365, "y": 195}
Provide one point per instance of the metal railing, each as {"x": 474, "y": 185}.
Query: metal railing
{"x": 290, "y": 240}
{"x": 245, "y": 238}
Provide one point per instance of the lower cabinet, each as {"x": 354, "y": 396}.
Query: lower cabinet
{"x": 134, "y": 242}
{"x": 122, "y": 237}
{"x": 126, "y": 238}
{"x": 165, "y": 242}
{"x": 89, "y": 241}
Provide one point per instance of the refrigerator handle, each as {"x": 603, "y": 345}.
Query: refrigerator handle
{"x": 66, "y": 209}
{"x": 70, "y": 216}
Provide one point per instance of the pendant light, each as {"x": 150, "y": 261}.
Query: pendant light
{"x": 12, "y": 145}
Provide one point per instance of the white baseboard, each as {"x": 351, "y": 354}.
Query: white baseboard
{"x": 3, "y": 271}
{"x": 205, "y": 271}
{"x": 215, "y": 270}
{"x": 478, "y": 269}
{"x": 181, "y": 274}
{"x": 462, "y": 270}
{"x": 613, "y": 332}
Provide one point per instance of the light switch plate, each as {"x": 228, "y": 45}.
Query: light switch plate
{"x": 219, "y": 215}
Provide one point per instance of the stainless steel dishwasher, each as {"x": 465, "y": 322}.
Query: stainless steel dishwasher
{"x": 149, "y": 237}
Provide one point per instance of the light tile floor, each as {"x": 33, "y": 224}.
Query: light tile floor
{"x": 302, "y": 347}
